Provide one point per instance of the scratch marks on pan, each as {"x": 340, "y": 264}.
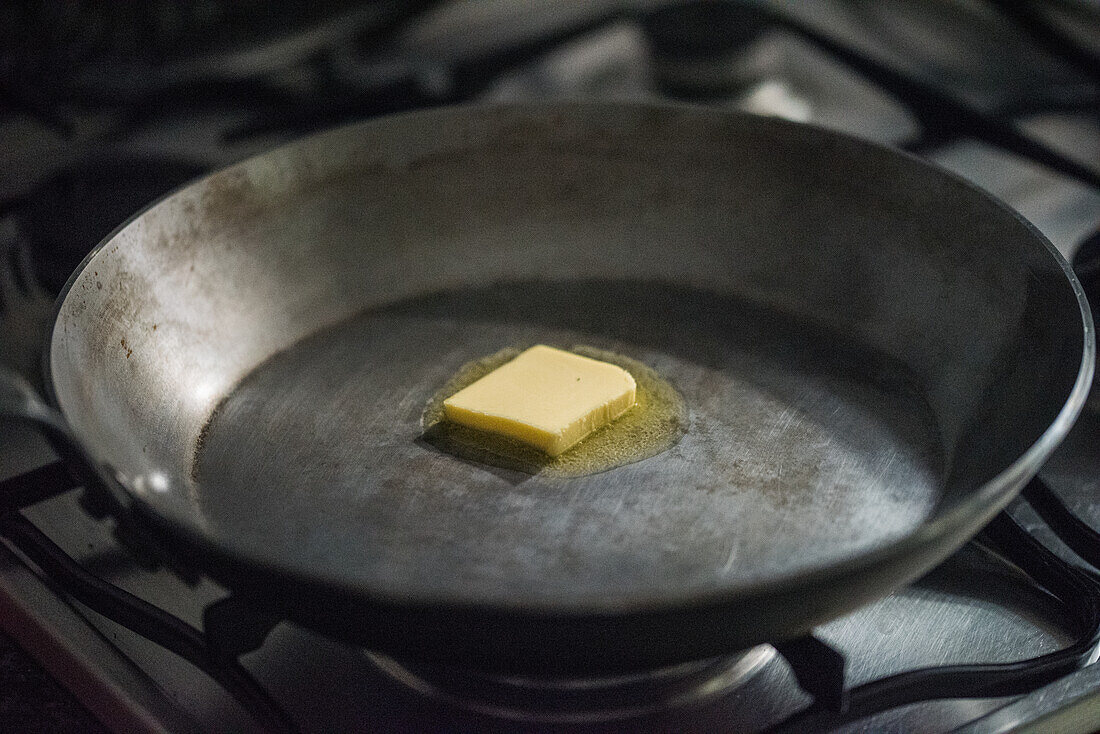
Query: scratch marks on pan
{"x": 786, "y": 418}
{"x": 730, "y": 560}
{"x": 622, "y": 499}
{"x": 888, "y": 460}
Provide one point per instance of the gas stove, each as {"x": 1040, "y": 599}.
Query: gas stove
{"x": 107, "y": 109}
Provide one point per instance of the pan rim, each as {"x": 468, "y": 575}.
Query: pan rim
{"x": 944, "y": 532}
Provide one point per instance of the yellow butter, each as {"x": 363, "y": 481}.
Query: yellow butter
{"x": 545, "y": 397}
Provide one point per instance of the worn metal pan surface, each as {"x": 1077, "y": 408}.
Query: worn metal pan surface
{"x": 874, "y": 354}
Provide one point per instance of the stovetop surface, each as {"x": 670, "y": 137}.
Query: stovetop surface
{"x": 67, "y": 181}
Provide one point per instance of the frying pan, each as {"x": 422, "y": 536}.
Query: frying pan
{"x": 875, "y": 357}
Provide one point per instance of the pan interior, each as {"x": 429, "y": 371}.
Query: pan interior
{"x": 800, "y": 449}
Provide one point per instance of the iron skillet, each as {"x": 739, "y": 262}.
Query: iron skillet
{"x": 875, "y": 356}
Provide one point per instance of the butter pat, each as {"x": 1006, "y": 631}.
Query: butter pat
{"x": 545, "y": 397}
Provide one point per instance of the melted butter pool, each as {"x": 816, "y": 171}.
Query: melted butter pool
{"x": 655, "y": 424}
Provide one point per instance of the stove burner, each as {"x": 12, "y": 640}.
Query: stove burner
{"x": 101, "y": 53}
{"x": 578, "y": 700}
{"x": 697, "y": 46}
